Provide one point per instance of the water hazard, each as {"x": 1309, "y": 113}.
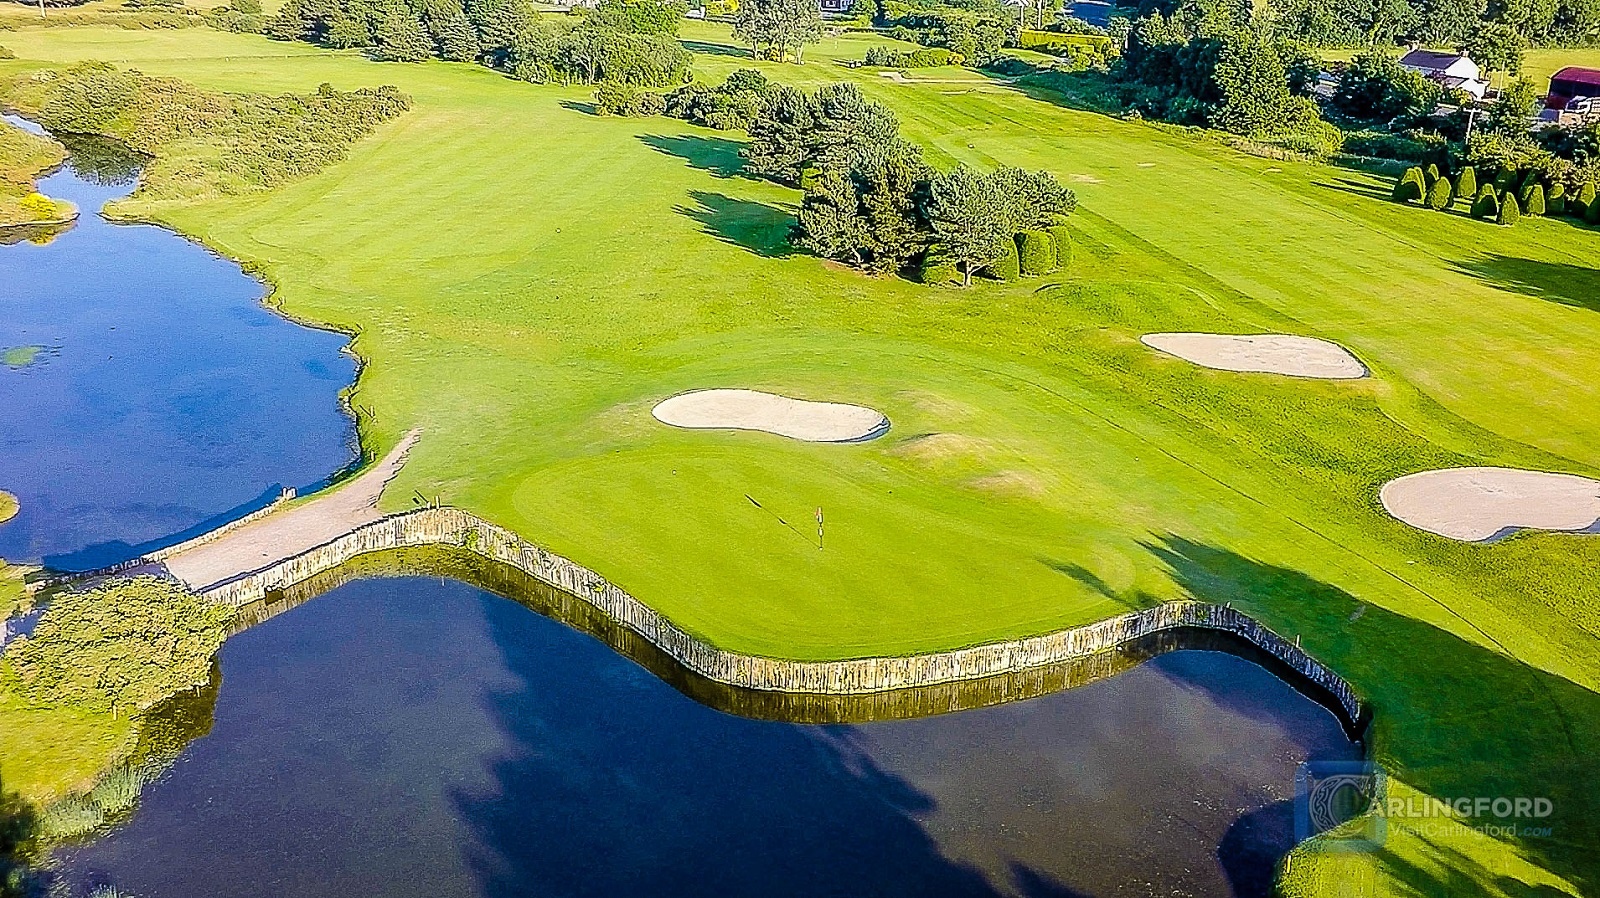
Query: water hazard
{"x": 423, "y": 737}
{"x": 148, "y": 393}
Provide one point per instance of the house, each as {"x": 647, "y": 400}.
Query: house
{"x": 835, "y": 7}
{"x": 1452, "y": 71}
{"x": 1095, "y": 12}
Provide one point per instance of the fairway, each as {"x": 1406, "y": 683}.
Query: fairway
{"x": 528, "y": 281}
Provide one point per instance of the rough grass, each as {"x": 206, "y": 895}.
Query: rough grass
{"x": 23, "y": 157}
{"x": 561, "y": 272}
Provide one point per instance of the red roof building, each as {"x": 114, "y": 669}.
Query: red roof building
{"x": 1571, "y": 82}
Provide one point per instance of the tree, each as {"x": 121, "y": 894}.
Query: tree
{"x": 638, "y": 16}
{"x": 1467, "y": 183}
{"x": 1374, "y": 88}
{"x": 1556, "y": 200}
{"x": 778, "y": 137}
{"x": 1584, "y": 202}
{"x": 1512, "y": 112}
{"x": 968, "y": 214}
{"x": 1440, "y": 194}
{"x": 1034, "y": 200}
{"x": 799, "y": 22}
{"x": 401, "y": 38}
{"x": 455, "y": 36}
{"x": 756, "y": 23}
{"x": 1253, "y": 86}
{"x": 1510, "y": 213}
{"x": 1495, "y": 47}
{"x": 346, "y": 33}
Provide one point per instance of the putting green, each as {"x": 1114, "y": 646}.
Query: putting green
{"x": 529, "y": 280}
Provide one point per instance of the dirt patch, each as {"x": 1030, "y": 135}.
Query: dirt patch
{"x": 1262, "y": 353}
{"x": 1477, "y": 504}
{"x": 945, "y": 448}
{"x": 797, "y": 419}
{"x": 1015, "y": 484}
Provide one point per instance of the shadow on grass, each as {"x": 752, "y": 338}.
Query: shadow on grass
{"x": 1133, "y": 599}
{"x": 717, "y": 155}
{"x": 1561, "y": 282}
{"x": 580, "y": 106}
{"x": 1451, "y": 718}
{"x": 711, "y": 49}
{"x": 757, "y": 227}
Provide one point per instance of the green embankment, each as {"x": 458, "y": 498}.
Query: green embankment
{"x": 528, "y": 280}
{"x": 23, "y": 157}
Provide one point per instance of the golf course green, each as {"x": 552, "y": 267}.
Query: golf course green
{"x": 527, "y": 280}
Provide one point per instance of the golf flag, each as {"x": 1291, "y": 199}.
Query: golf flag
{"x": 819, "y": 526}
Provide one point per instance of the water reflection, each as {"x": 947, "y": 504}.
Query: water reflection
{"x": 420, "y": 737}
{"x": 165, "y": 395}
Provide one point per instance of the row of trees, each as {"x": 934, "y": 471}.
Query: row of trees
{"x": 627, "y": 41}
{"x": 1439, "y": 23}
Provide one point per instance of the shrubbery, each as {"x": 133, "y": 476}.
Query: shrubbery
{"x": 1510, "y": 213}
{"x": 730, "y": 106}
{"x": 1007, "y": 266}
{"x": 121, "y": 647}
{"x": 1411, "y": 186}
{"x": 238, "y": 141}
{"x": 1036, "y": 253}
{"x": 926, "y": 58}
{"x": 1487, "y": 205}
{"x": 1440, "y": 195}
{"x": 1061, "y": 242}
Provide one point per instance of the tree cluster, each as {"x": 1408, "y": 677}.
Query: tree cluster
{"x": 1485, "y": 27}
{"x": 626, "y": 41}
{"x": 121, "y": 648}
{"x": 778, "y": 29}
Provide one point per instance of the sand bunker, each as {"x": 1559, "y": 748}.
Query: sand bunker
{"x": 1262, "y": 353}
{"x": 798, "y": 419}
{"x": 1475, "y": 504}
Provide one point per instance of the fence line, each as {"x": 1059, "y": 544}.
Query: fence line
{"x": 452, "y": 526}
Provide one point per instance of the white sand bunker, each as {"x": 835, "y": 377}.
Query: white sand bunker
{"x": 1475, "y": 504}
{"x": 798, "y": 419}
{"x": 1262, "y": 353}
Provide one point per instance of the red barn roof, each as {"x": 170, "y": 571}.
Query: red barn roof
{"x": 1577, "y": 75}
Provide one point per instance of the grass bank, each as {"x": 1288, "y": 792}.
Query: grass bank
{"x": 527, "y": 280}
{"x": 23, "y": 158}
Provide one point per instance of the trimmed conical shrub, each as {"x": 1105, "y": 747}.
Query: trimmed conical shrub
{"x": 1440, "y": 195}
{"x": 1555, "y": 202}
{"x": 1009, "y": 266}
{"x": 1584, "y": 201}
{"x": 1432, "y": 173}
{"x": 1592, "y": 216}
{"x": 1467, "y": 184}
{"x": 1411, "y": 186}
{"x": 1036, "y": 254}
{"x": 1505, "y": 179}
{"x": 1487, "y": 205}
{"x": 1533, "y": 200}
{"x": 1061, "y": 239}
{"x": 1510, "y": 213}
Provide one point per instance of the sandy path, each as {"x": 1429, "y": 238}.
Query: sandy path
{"x": 1475, "y": 504}
{"x": 294, "y": 530}
{"x": 1262, "y": 354}
{"x": 797, "y": 419}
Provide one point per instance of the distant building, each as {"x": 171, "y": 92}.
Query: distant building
{"x": 836, "y": 7}
{"x": 1452, "y": 71}
{"x": 1095, "y": 12}
{"x": 1570, "y": 84}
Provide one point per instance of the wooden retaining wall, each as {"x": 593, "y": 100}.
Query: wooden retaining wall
{"x": 451, "y": 526}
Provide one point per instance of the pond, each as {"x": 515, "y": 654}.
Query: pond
{"x": 148, "y": 392}
{"x": 423, "y": 737}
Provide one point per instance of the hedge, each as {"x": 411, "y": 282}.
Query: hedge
{"x": 1036, "y": 253}
{"x": 1411, "y": 186}
{"x": 938, "y": 268}
{"x": 1467, "y": 184}
{"x": 1556, "y": 202}
{"x": 1008, "y": 267}
{"x": 1061, "y": 236}
{"x": 1440, "y": 195}
{"x": 1533, "y": 200}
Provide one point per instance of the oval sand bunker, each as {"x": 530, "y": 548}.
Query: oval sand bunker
{"x": 798, "y": 419}
{"x": 1262, "y": 353}
{"x": 1475, "y": 504}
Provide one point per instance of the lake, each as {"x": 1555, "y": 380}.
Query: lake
{"x": 156, "y": 397}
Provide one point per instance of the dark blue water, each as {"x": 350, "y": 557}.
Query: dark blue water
{"x": 418, "y": 738}
{"x": 166, "y": 396}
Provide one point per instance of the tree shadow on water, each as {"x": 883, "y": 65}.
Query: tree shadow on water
{"x": 613, "y": 783}
{"x": 1451, "y": 717}
{"x": 717, "y": 155}
{"x": 1561, "y": 282}
{"x": 757, "y": 227}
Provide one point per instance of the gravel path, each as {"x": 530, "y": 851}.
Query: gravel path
{"x": 294, "y": 530}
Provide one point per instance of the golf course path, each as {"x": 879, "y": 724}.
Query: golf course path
{"x": 1262, "y": 354}
{"x": 1476, "y": 504}
{"x": 292, "y": 531}
{"x": 797, "y": 419}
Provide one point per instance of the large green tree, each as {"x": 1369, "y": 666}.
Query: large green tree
{"x": 970, "y": 217}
